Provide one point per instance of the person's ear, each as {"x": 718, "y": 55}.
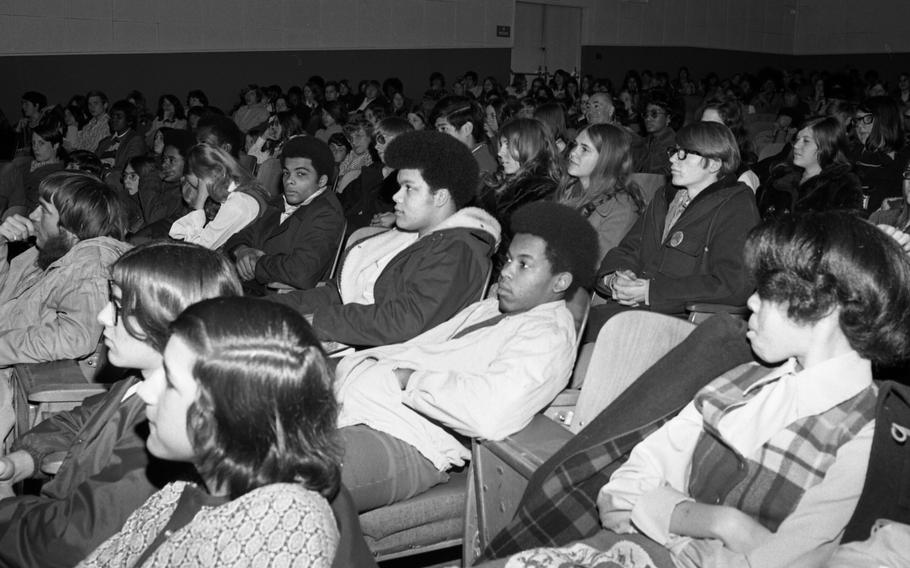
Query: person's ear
{"x": 467, "y": 129}
{"x": 323, "y": 181}
{"x": 714, "y": 165}
{"x": 441, "y": 197}
{"x": 227, "y": 147}
{"x": 562, "y": 282}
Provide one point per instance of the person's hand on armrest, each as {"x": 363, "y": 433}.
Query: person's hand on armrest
{"x": 247, "y": 258}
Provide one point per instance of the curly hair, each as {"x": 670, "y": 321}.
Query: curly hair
{"x": 264, "y": 411}
{"x": 815, "y": 263}
{"x": 159, "y": 279}
{"x": 571, "y": 240}
{"x": 443, "y": 161}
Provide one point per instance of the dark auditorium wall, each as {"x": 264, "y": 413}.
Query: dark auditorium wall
{"x": 222, "y": 74}
{"x": 613, "y": 61}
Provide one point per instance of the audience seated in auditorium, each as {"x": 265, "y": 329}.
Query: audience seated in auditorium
{"x": 19, "y": 179}
{"x": 483, "y": 373}
{"x": 247, "y": 400}
{"x": 97, "y": 128}
{"x": 51, "y": 293}
{"x": 399, "y": 283}
{"x": 764, "y": 468}
{"x": 296, "y": 245}
{"x": 222, "y": 195}
{"x": 597, "y": 183}
{"x": 368, "y": 200}
{"x": 819, "y": 177}
{"x": 124, "y": 143}
{"x": 687, "y": 246}
{"x": 107, "y": 473}
{"x": 462, "y": 118}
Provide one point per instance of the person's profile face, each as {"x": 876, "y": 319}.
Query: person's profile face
{"x": 123, "y": 349}
{"x": 415, "y": 203}
{"x": 416, "y": 121}
{"x": 172, "y": 164}
{"x": 167, "y": 399}
{"x": 527, "y": 278}
{"x": 46, "y": 220}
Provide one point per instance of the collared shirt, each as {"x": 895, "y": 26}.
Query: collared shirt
{"x": 644, "y": 491}
{"x": 291, "y": 209}
{"x": 238, "y": 210}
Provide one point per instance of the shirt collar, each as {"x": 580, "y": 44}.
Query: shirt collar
{"x": 825, "y": 385}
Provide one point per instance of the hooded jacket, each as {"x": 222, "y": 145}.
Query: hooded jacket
{"x": 393, "y": 286}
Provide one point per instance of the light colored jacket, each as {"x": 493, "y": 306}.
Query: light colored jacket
{"x": 51, "y": 314}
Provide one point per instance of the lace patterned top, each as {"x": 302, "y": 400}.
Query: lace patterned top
{"x": 277, "y": 525}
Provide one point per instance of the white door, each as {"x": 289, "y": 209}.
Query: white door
{"x": 546, "y": 36}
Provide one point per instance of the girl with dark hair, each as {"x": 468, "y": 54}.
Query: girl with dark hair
{"x": 417, "y": 117}
{"x": 553, "y": 116}
{"x": 170, "y": 114}
{"x": 818, "y": 178}
{"x": 107, "y": 474}
{"x": 530, "y": 170}
{"x": 247, "y": 399}
{"x": 223, "y": 195}
{"x": 729, "y": 112}
{"x": 879, "y": 155}
{"x": 765, "y": 466}
{"x": 333, "y": 116}
{"x": 597, "y": 183}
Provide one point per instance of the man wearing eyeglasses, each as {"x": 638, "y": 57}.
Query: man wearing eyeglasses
{"x": 687, "y": 246}
{"x": 650, "y": 155}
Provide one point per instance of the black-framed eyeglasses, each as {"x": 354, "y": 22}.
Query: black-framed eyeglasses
{"x": 130, "y": 175}
{"x": 681, "y": 153}
{"x": 865, "y": 118}
{"x": 118, "y": 308}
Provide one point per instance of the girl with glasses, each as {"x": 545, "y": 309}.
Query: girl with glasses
{"x": 106, "y": 473}
{"x": 879, "y": 154}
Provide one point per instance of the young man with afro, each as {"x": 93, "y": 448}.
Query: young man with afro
{"x": 395, "y": 285}
{"x": 483, "y": 373}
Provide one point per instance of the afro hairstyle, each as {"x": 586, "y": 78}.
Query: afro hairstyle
{"x": 443, "y": 161}
{"x": 571, "y": 240}
{"x": 313, "y": 148}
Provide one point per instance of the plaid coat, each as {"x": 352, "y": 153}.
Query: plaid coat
{"x": 559, "y": 505}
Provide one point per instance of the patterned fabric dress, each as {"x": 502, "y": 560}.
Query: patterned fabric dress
{"x": 277, "y": 525}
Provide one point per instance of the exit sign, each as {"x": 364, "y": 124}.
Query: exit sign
{"x": 503, "y": 31}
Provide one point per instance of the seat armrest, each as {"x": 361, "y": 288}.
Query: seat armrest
{"x": 717, "y": 309}
{"x": 65, "y": 393}
{"x": 526, "y": 450}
